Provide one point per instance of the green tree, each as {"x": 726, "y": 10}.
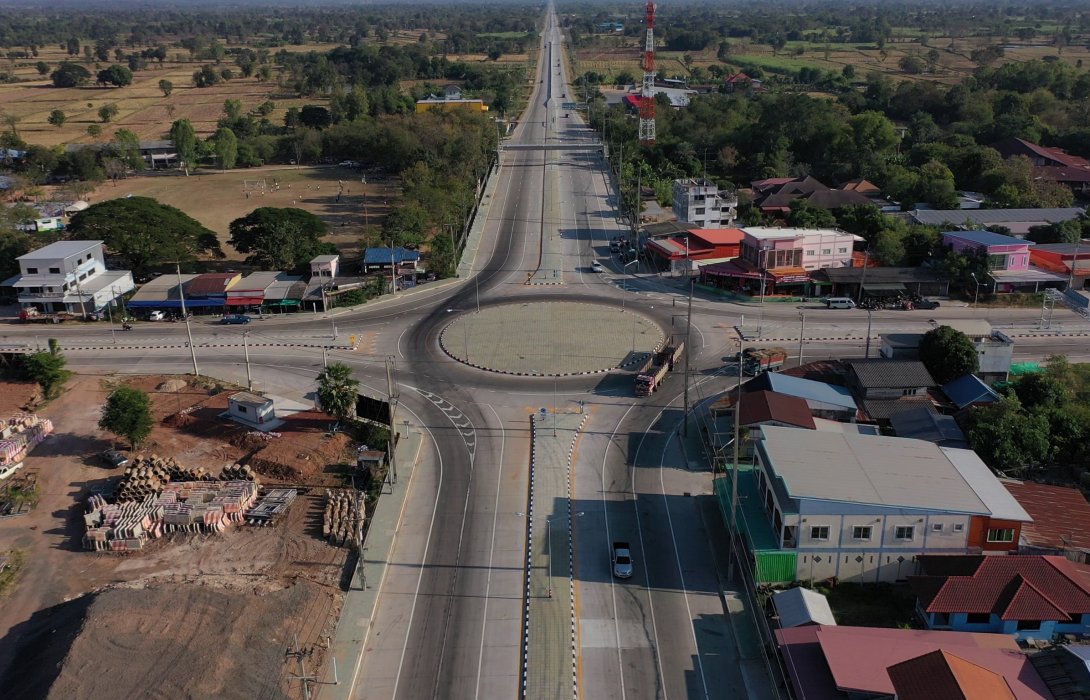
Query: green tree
{"x": 948, "y": 354}
{"x": 225, "y": 145}
{"x": 144, "y": 232}
{"x": 42, "y": 67}
{"x": 232, "y": 109}
{"x": 1005, "y": 436}
{"x": 1059, "y": 232}
{"x": 338, "y": 391}
{"x": 107, "y": 112}
{"x": 935, "y": 186}
{"x": 127, "y": 145}
{"x": 127, "y": 414}
{"x": 57, "y": 118}
{"x": 166, "y": 86}
{"x": 184, "y": 138}
{"x": 1041, "y": 390}
{"x": 805, "y": 215}
{"x": 47, "y": 369}
{"x": 207, "y": 76}
{"x": 278, "y": 238}
{"x": 94, "y": 130}
{"x": 70, "y": 75}
{"x": 116, "y": 75}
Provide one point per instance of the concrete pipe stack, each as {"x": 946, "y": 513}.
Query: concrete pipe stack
{"x": 345, "y": 513}
{"x": 237, "y": 472}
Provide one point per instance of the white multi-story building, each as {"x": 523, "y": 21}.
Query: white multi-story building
{"x": 68, "y": 276}
{"x": 702, "y": 203}
{"x": 861, "y": 507}
{"x": 769, "y": 247}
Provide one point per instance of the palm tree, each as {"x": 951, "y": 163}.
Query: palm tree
{"x": 337, "y": 391}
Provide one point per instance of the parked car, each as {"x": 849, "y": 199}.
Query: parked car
{"x": 597, "y": 267}
{"x": 113, "y": 458}
{"x": 157, "y": 316}
{"x": 235, "y": 320}
{"x": 925, "y": 304}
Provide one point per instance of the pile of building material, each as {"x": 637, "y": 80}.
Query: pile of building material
{"x": 180, "y": 506}
{"x": 19, "y": 435}
{"x": 344, "y": 516}
{"x": 271, "y": 506}
{"x": 147, "y": 475}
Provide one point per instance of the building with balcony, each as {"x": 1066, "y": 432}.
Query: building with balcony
{"x": 68, "y": 276}
{"x": 703, "y": 204}
{"x": 861, "y": 508}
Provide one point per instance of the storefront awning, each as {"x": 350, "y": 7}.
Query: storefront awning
{"x": 787, "y": 275}
{"x": 729, "y": 269}
{"x": 283, "y": 302}
{"x": 172, "y": 303}
{"x": 244, "y": 301}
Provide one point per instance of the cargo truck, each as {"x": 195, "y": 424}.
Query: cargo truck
{"x": 652, "y": 374}
{"x": 758, "y": 360}
{"x": 32, "y": 315}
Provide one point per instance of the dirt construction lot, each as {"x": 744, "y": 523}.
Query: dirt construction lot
{"x": 217, "y": 198}
{"x": 190, "y": 616}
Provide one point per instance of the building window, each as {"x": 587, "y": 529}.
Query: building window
{"x": 809, "y": 253}
{"x": 1001, "y": 535}
{"x": 32, "y": 270}
{"x": 978, "y": 618}
{"x": 819, "y": 532}
{"x": 959, "y": 527}
{"x": 826, "y": 251}
{"x": 936, "y": 527}
{"x": 842, "y": 250}
{"x": 904, "y": 532}
{"x": 241, "y": 409}
{"x": 54, "y": 271}
{"x": 861, "y": 532}
{"x": 941, "y": 619}
{"x": 1026, "y": 625}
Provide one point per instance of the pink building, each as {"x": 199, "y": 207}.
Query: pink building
{"x": 1004, "y": 252}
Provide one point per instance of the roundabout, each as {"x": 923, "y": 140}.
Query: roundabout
{"x": 550, "y": 338}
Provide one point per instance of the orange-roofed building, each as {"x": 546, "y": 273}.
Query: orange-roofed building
{"x": 943, "y": 675}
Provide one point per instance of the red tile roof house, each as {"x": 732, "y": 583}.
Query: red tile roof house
{"x": 836, "y": 663}
{"x": 1026, "y": 596}
{"x": 941, "y": 674}
{"x": 1049, "y": 163}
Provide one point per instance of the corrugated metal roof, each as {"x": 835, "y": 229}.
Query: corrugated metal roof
{"x": 806, "y": 389}
{"x": 969, "y": 389}
{"x": 941, "y": 674}
{"x": 872, "y": 469}
{"x": 987, "y": 217}
{"x": 986, "y": 238}
{"x": 382, "y": 256}
{"x": 60, "y": 249}
{"x": 987, "y": 487}
{"x": 924, "y": 424}
{"x": 877, "y": 373}
{"x": 1061, "y": 515}
{"x": 801, "y": 606}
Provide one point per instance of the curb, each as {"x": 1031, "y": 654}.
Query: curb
{"x": 571, "y": 564}
{"x": 529, "y": 561}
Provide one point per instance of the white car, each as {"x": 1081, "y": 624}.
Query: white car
{"x": 597, "y": 267}
{"x": 157, "y": 316}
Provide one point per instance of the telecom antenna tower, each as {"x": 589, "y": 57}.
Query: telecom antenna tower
{"x": 647, "y": 95}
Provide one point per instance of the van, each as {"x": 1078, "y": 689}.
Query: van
{"x": 839, "y": 303}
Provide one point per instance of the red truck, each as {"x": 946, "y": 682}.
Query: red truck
{"x": 651, "y": 375}
{"x": 32, "y": 315}
{"x": 758, "y": 360}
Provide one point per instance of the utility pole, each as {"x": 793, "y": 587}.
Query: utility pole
{"x": 802, "y": 334}
{"x": 188, "y": 328}
{"x": 393, "y": 418}
{"x": 866, "y": 353}
{"x": 688, "y": 328}
{"x": 308, "y": 679}
{"x": 246, "y": 351}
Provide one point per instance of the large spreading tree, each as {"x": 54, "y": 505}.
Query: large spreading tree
{"x": 278, "y": 238}
{"x": 145, "y": 232}
{"x": 70, "y": 75}
{"x": 948, "y": 354}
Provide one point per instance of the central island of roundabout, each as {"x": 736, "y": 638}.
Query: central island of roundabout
{"x": 551, "y": 338}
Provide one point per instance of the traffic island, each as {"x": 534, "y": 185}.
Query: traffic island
{"x": 554, "y": 339}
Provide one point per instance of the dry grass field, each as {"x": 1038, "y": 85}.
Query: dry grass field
{"x": 954, "y": 65}
{"x": 217, "y": 198}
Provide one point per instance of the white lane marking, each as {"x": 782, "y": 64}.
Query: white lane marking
{"x": 677, "y": 558}
{"x": 605, "y": 518}
{"x": 420, "y": 576}
{"x": 492, "y": 549}
{"x": 399, "y": 340}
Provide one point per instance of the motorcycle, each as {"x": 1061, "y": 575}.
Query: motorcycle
{"x": 126, "y": 326}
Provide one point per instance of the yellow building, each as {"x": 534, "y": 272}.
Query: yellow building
{"x": 433, "y": 103}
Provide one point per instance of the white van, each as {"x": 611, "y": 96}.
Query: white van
{"x": 839, "y": 303}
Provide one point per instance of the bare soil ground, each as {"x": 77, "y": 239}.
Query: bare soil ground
{"x": 17, "y": 396}
{"x": 191, "y": 615}
{"x": 217, "y": 198}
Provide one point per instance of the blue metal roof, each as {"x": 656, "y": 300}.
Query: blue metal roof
{"x": 380, "y": 256}
{"x": 806, "y": 389}
{"x": 968, "y": 390}
{"x": 987, "y": 238}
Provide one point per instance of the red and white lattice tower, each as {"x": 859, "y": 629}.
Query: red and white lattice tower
{"x": 647, "y": 95}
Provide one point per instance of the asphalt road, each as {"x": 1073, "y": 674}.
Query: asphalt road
{"x": 449, "y": 617}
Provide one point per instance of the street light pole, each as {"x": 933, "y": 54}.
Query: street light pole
{"x": 685, "y": 376}
{"x": 866, "y": 353}
{"x": 976, "y": 294}
{"x": 246, "y": 352}
{"x": 188, "y": 328}
{"x": 802, "y": 334}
